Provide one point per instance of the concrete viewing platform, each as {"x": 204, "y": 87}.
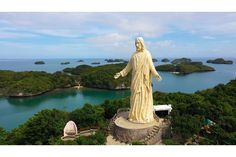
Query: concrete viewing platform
{"x": 125, "y": 131}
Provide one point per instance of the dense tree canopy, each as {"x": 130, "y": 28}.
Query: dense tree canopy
{"x": 88, "y": 116}
{"x": 190, "y": 110}
{"x": 185, "y": 68}
{"x": 219, "y": 61}
{"x": 40, "y": 128}
{"x": 100, "y": 76}
{"x": 32, "y": 83}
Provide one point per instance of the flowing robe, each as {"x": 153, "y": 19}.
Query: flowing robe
{"x": 141, "y": 99}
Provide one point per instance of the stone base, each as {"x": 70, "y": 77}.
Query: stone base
{"x": 126, "y": 131}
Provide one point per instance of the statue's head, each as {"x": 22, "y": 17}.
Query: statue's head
{"x": 139, "y": 43}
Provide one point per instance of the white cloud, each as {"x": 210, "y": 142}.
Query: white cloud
{"x": 224, "y": 28}
{"x": 15, "y": 45}
{"x": 114, "y": 39}
{"x": 207, "y": 23}
{"x": 58, "y": 33}
{"x": 149, "y": 25}
{"x": 114, "y": 44}
{"x": 208, "y": 37}
{"x": 115, "y": 32}
{"x": 165, "y": 44}
{"x": 140, "y": 26}
{"x": 13, "y": 33}
{"x": 44, "y": 20}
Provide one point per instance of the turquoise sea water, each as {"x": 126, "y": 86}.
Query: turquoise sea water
{"x": 15, "y": 111}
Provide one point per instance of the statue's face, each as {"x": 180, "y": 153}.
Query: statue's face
{"x": 138, "y": 45}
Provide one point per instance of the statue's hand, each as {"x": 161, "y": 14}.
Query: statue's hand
{"x": 117, "y": 75}
{"x": 159, "y": 78}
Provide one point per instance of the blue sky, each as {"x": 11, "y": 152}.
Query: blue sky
{"x": 111, "y": 35}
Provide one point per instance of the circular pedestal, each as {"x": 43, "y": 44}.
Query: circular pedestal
{"x": 126, "y": 131}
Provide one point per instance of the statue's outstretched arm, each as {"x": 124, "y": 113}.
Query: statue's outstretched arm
{"x": 125, "y": 71}
{"x": 153, "y": 69}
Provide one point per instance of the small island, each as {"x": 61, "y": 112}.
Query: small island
{"x": 95, "y": 63}
{"x": 65, "y": 63}
{"x": 220, "y": 61}
{"x": 165, "y": 60}
{"x": 80, "y": 60}
{"x": 154, "y": 60}
{"x": 114, "y": 60}
{"x": 39, "y": 62}
{"x": 185, "y": 68}
{"x": 32, "y": 83}
{"x": 181, "y": 60}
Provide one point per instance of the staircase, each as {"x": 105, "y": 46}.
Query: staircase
{"x": 111, "y": 124}
{"x": 153, "y": 134}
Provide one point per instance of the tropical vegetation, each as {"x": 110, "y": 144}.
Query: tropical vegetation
{"x": 188, "y": 117}
{"x": 219, "y": 61}
{"x": 32, "y": 83}
{"x": 100, "y": 76}
{"x": 185, "y": 67}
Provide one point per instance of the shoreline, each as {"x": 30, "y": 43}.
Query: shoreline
{"x": 61, "y": 89}
{"x": 83, "y": 87}
{"x": 45, "y": 92}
